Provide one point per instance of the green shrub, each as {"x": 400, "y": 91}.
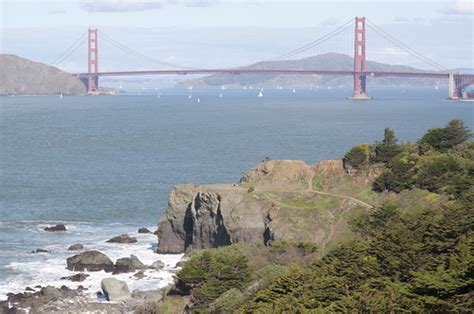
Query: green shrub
{"x": 209, "y": 273}
{"x": 358, "y": 157}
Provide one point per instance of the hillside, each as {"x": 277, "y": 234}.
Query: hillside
{"x": 388, "y": 229}
{"x": 21, "y": 76}
{"x": 330, "y": 61}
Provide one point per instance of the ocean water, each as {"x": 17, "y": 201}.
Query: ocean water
{"x": 105, "y": 165}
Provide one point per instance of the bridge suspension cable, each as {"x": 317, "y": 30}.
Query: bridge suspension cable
{"x": 315, "y": 42}
{"x": 404, "y": 47}
{"x": 125, "y": 48}
{"x": 70, "y": 50}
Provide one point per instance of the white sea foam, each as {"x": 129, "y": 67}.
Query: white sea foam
{"x": 47, "y": 269}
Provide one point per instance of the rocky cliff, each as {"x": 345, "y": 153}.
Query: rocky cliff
{"x": 274, "y": 200}
{"x": 19, "y": 76}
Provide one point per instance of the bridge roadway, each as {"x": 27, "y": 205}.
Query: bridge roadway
{"x": 275, "y": 72}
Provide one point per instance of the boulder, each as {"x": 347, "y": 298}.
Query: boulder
{"x": 51, "y": 292}
{"x": 157, "y": 265}
{"x": 115, "y": 290}
{"x": 76, "y": 278}
{"x": 128, "y": 264}
{"x": 90, "y": 261}
{"x": 123, "y": 238}
{"x": 75, "y": 247}
{"x": 144, "y": 230}
{"x": 55, "y": 228}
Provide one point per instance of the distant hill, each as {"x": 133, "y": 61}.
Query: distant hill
{"x": 19, "y": 76}
{"x": 330, "y": 61}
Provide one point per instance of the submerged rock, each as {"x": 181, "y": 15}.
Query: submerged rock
{"x": 123, "y": 238}
{"x": 40, "y": 251}
{"x": 75, "y": 247}
{"x": 128, "y": 264}
{"x": 115, "y": 290}
{"x": 55, "y": 228}
{"x": 90, "y": 261}
{"x": 76, "y": 278}
{"x": 144, "y": 230}
{"x": 139, "y": 274}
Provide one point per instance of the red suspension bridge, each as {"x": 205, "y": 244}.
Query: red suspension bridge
{"x": 457, "y": 82}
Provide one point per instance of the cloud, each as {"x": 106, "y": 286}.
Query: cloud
{"x": 138, "y": 5}
{"x": 465, "y": 7}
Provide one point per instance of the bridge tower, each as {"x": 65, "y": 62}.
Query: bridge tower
{"x": 92, "y": 63}
{"x": 360, "y": 59}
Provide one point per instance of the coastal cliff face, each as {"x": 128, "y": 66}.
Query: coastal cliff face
{"x": 274, "y": 200}
{"x": 20, "y": 76}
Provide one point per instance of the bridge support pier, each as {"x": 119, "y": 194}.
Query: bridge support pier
{"x": 360, "y": 58}
{"x": 452, "y": 88}
{"x": 92, "y": 63}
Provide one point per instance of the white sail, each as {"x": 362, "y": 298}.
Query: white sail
{"x": 294, "y": 90}
{"x": 220, "y": 95}
{"x": 190, "y": 96}
{"x": 199, "y": 100}
{"x": 61, "y": 96}
{"x": 260, "y": 94}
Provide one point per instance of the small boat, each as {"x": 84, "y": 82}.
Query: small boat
{"x": 260, "y": 94}
{"x": 436, "y": 87}
{"x": 245, "y": 87}
{"x": 120, "y": 87}
{"x": 190, "y": 96}
{"x": 199, "y": 100}
{"x": 61, "y": 96}
{"x": 222, "y": 87}
{"x": 220, "y": 95}
{"x": 294, "y": 90}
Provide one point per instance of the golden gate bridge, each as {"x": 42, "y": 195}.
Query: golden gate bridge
{"x": 457, "y": 82}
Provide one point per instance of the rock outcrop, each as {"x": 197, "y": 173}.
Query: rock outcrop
{"x": 274, "y": 200}
{"x": 75, "y": 247}
{"x": 55, "y": 228}
{"x": 123, "y": 238}
{"x": 21, "y": 76}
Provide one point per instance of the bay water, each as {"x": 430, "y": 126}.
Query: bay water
{"x": 104, "y": 165}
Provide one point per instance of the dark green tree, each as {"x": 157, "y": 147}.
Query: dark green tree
{"x": 443, "y": 139}
{"x": 388, "y": 148}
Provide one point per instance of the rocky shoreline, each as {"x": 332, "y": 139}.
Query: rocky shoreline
{"x": 109, "y": 295}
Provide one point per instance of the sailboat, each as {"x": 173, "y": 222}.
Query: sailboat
{"x": 220, "y": 95}
{"x": 199, "y": 100}
{"x": 294, "y": 90}
{"x": 190, "y": 96}
{"x": 260, "y": 94}
{"x": 61, "y": 96}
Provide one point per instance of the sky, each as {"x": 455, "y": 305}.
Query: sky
{"x": 219, "y": 33}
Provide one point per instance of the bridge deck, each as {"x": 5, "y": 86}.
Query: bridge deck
{"x": 275, "y": 72}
